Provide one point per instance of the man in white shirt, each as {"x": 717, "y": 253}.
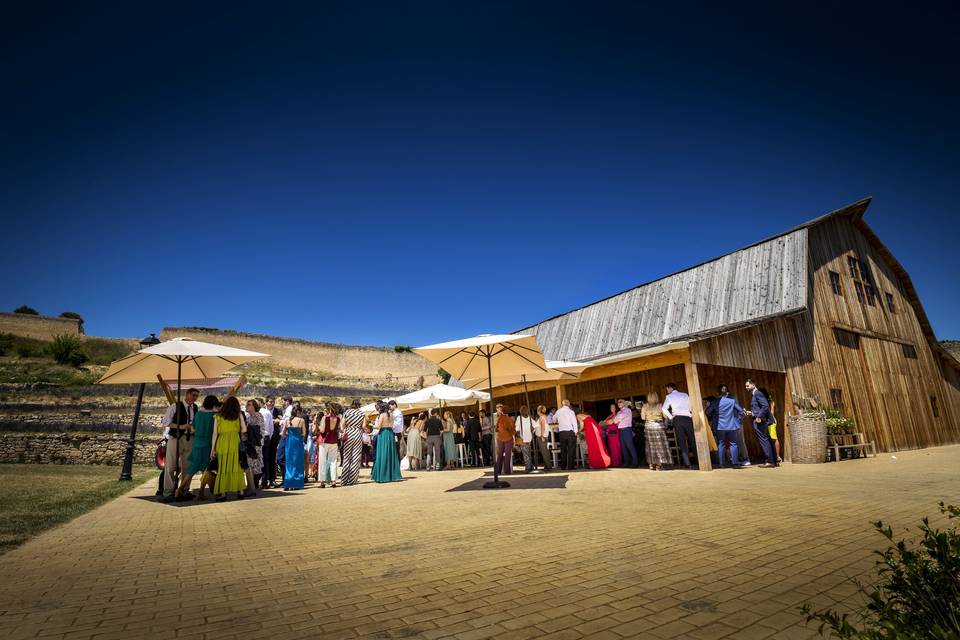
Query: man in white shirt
{"x": 525, "y": 429}
{"x": 676, "y": 408}
{"x": 269, "y": 444}
{"x": 567, "y": 427}
{"x": 178, "y": 422}
{"x": 397, "y": 427}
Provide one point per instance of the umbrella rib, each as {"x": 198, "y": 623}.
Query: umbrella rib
{"x": 467, "y": 366}
{"x": 115, "y": 373}
{"x": 520, "y": 355}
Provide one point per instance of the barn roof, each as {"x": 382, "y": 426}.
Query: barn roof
{"x": 760, "y": 282}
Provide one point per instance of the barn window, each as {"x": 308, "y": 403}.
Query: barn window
{"x": 890, "y": 303}
{"x": 909, "y": 351}
{"x": 871, "y": 294}
{"x": 933, "y": 406}
{"x": 835, "y": 283}
{"x": 864, "y": 271}
{"x": 858, "y": 287}
{"x": 847, "y": 339}
{"x": 854, "y": 267}
{"x": 836, "y": 399}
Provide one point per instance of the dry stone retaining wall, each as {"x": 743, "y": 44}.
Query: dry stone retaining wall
{"x": 338, "y": 359}
{"x": 68, "y": 448}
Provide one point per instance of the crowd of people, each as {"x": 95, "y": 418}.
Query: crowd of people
{"x": 237, "y": 450}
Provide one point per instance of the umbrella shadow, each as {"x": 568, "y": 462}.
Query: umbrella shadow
{"x": 262, "y": 495}
{"x": 551, "y": 481}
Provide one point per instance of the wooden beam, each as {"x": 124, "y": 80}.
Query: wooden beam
{"x": 643, "y": 363}
{"x": 559, "y": 396}
{"x": 699, "y": 419}
{"x": 788, "y": 411}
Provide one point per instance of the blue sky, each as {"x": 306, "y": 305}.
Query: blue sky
{"x": 382, "y": 174}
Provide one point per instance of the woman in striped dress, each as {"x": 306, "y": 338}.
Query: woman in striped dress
{"x": 353, "y": 420}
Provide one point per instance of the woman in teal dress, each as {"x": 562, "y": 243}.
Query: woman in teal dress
{"x": 386, "y": 466}
{"x": 227, "y": 429}
{"x": 449, "y": 440}
{"x": 295, "y": 432}
{"x": 202, "y": 443}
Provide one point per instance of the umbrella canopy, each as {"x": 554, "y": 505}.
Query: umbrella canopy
{"x": 556, "y": 370}
{"x": 179, "y": 358}
{"x": 509, "y": 355}
{"x": 430, "y": 397}
{"x": 493, "y": 356}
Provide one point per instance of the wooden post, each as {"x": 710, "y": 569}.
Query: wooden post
{"x": 559, "y": 396}
{"x": 699, "y": 419}
{"x": 788, "y": 410}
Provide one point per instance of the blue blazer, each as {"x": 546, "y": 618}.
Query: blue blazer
{"x": 760, "y": 407}
{"x": 729, "y": 414}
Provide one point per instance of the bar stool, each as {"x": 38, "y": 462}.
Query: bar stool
{"x": 462, "y": 457}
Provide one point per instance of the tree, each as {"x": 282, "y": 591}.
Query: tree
{"x": 27, "y": 311}
{"x": 443, "y": 375}
{"x": 68, "y": 350}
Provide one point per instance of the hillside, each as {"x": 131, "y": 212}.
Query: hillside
{"x": 37, "y": 394}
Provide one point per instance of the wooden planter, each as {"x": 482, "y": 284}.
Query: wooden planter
{"x": 808, "y": 438}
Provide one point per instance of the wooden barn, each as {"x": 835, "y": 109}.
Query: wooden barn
{"x": 822, "y": 312}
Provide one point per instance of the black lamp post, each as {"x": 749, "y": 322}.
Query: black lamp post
{"x": 126, "y": 473}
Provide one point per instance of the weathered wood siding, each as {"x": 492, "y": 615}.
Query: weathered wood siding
{"x": 887, "y": 393}
{"x": 745, "y": 287}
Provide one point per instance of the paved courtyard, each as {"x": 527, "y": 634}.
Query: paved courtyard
{"x": 612, "y": 554}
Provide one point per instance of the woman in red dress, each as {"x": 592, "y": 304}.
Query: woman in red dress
{"x": 597, "y": 457}
{"x": 613, "y": 436}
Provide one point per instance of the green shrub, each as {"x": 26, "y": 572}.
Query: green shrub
{"x": 104, "y": 351}
{"x": 402, "y": 348}
{"x": 68, "y": 350}
{"x": 443, "y": 375}
{"x": 24, "y": 309}
{"x": 918, "y": 594}
{"x": 6, "y": 344}
{"x": 29, "y": 348}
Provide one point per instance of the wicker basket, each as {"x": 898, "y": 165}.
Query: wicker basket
{"x": 808, "y": 438}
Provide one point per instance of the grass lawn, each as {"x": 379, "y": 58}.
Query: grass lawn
{"x": 37, "y": 497}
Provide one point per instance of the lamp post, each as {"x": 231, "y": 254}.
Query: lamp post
{"x": 126, "y": 473}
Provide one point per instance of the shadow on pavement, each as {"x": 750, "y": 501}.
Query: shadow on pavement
{"x": 552, "y": 481}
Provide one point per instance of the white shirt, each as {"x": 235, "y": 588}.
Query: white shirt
{"x": 541, "y": 430}
{"x": 567, "y": 420}
{"x": 397, "y": 416}
{"x": 287, "y": 414}
{"x": 525, "y": 427}
{"x": 171, "y": 412}
{"x": 267, "y": 422}
{"x": 677, "y": 403}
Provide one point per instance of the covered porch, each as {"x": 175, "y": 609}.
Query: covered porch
{"x": 633, "y": 376}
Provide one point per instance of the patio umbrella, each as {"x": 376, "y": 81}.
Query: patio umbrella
{"x": 182, "y": 358}
{"x": 507, "y": 355}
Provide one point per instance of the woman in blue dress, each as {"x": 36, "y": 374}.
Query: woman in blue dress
{"x": 295, "y": 433}
{"x": 386, "y": 465}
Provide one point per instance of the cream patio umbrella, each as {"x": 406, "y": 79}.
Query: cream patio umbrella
{"x": 484, "y": 355}
{"x": 182, "y": 358}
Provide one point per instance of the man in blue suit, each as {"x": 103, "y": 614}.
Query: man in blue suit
{"x": 762, "y": 419}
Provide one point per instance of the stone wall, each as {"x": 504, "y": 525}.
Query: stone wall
{"x": 336, "y": 359}
{"x": 70, "y": 448}
{"x": 38, "y": 327}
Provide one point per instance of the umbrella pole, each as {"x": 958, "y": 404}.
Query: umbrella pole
{"x": 496, "y": 484}
{"x": 126, "y": 473}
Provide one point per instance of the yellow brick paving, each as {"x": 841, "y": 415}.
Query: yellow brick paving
{"x": 614, "y": 554}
